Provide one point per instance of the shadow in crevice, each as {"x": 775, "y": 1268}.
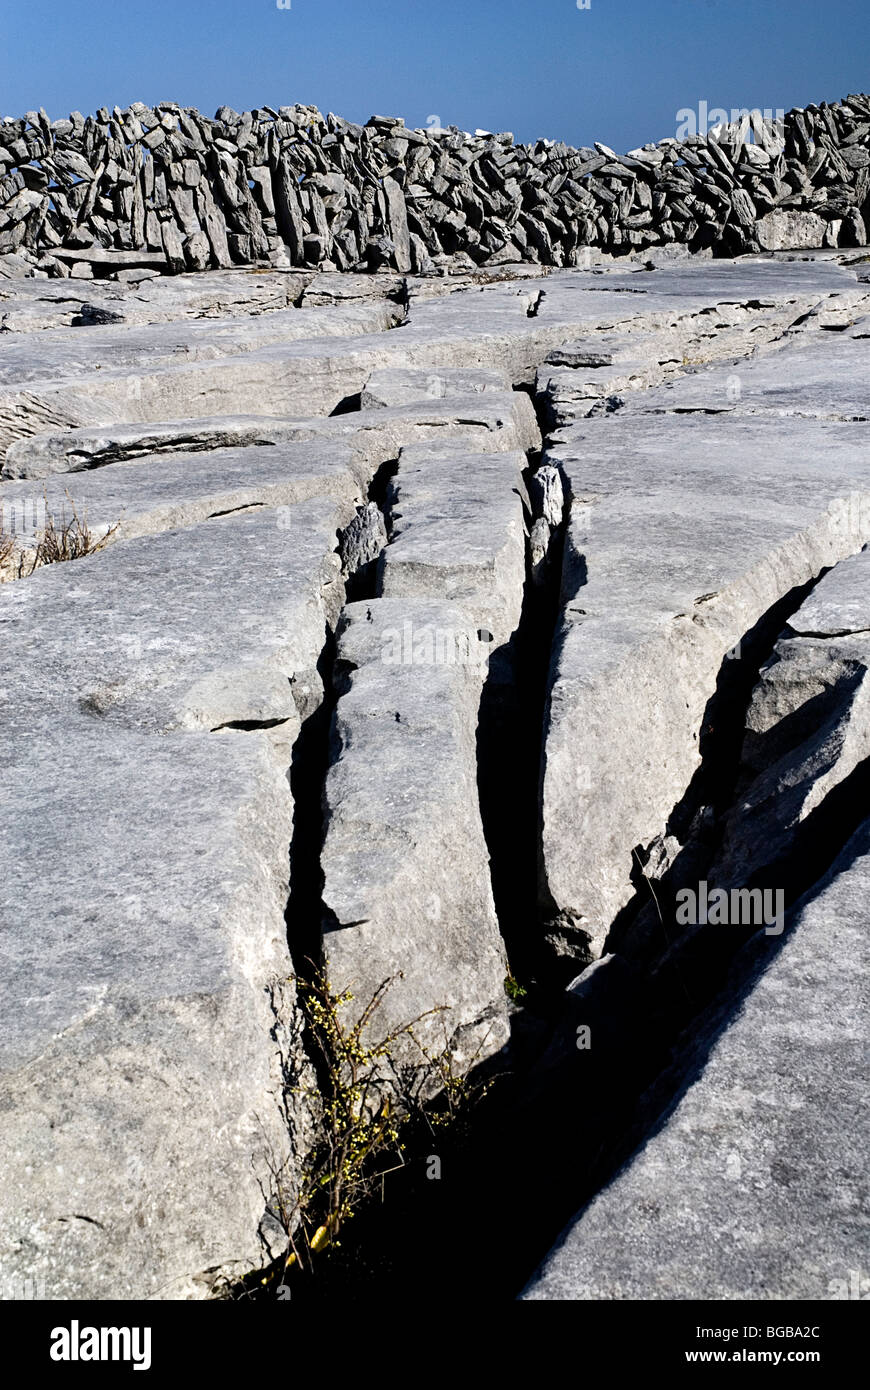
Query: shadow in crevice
{"x": 563, "y": 1120}
{"x": 698, "y": 961}
{"x": 365, "y": 581}
{"x": 723, "y": 727}
{"x": 549, "y": 1137}
{"x": 693, "y": 1046}
{"x": 510, "y": 735}
{"x": 307, "y": 777}
{"x": 349, "y": 405}
{"x": 696, "y": 819}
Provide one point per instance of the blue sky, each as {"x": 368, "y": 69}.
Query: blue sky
{"x": 617, "y": 72}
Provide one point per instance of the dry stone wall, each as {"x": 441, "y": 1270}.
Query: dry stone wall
{"x": 165, "y": 189}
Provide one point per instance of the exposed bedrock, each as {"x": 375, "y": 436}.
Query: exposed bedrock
{"x": 457, "y": 529}
{"x": 808, "y": 726}
{"x": 818, "y": 370}
{"x": 372, "y": 673}
{"x": 679, "y": 541}
{"x": 406, "y": 883}
{"x": 797, "y": 792}
{"x": 751, "y": 1184}
{"x": 499, "y": 421}
{"x": 143, "y": 1036}
{"x": 138, "y": 1064}
{"x": 157, "y": 376}
{"x": 182, "y": 488}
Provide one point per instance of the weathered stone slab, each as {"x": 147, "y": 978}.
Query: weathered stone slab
{"x": 139, "y": 1082}
{"x": 141, "y": 1077}
{"x": 406, "y": 870}
{"x": 167, "y": 853}
{"x": 609, "y": 370}
{"x": 175, "y": 631}
{"x": 165, "y": 491}
{"x": 28, "y": 306}
{"x": 753, "y": 1187}
{"x": 807, "y": 726}
{"x": 329, "y": 288}
{"x": 498, "y": 326}
{"x": 839, "y": 605}
{"x": 362, "y": 541}
{"x": 59, "y": 356}
{"x": 517, "y": 326}
{"x": 113, "y": 374}
{"x": 680, "y": 538}
{"x": 458, "y": 532}
{"x": 547, "y": 494}
{"x": 392, "y": 386}
{"x": 490, "y": 421}
{"x": 785, "y": 229}
{"x": 821, "y": 375}
{"x": 99, "y": 255}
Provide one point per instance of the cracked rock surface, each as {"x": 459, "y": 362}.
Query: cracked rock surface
{"x": 752, "y": 1186}
{"x": 539, "y": 594}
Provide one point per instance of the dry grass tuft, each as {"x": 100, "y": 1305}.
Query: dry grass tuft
{"x": 67, "y": 538}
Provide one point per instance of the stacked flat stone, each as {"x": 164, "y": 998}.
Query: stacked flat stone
{"x": 164, "y": 189}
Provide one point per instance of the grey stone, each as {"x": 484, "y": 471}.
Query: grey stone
{"x": 490, "y": 422}
{"x": 363, "y": 538}
{"x": 808, "y": 724}
{"x": 798, "y": 376}
{"x": 783, "y": 230}
{"x": 387, "y": 197}
{"x": 487, "y": 327}
{"x": 167, "y": 490}
{"x": 406, "y": 882}
{"x": 839, "y": 605}
{"x": 457, "y": 532}
{"x": 642, "y": 639}
{"x": 539, "y": 547}
{"x": 99, "y": 256}
{"x": 160, "y": 930}
{"x": 403, "y": 386}
{"x": 547, "y": 494}
{"x": 162, "y": 950}
{"x": 752, "y": 1186}
{"x": 204, "y": 624}
{"x": 398, "y": 218}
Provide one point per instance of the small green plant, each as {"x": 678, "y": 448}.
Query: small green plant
{"x": 513, "y": 989}
{"x": 366, "y": 1104}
